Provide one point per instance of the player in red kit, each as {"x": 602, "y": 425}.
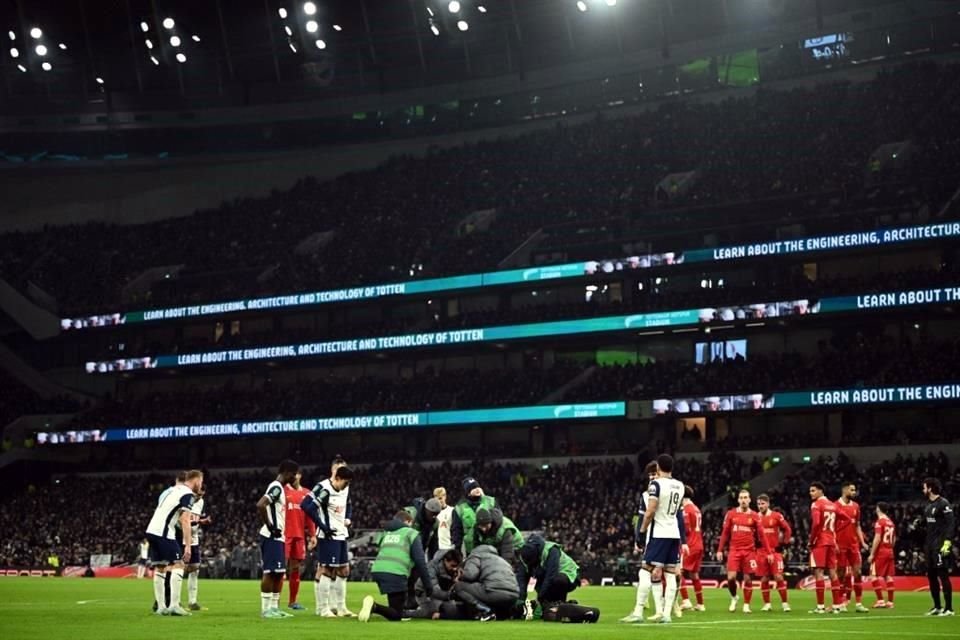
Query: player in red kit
{"x": 741, "y": 527}
{"x": 823, "y": 546}
{"x": 301, "y": 536}
{"x": 693, "y": 524}
{"x": 777, "y": 531}
{"x": 849, "y": 540}
{"x": 882, "y": 564}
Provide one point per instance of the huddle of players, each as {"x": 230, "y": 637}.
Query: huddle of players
{"x": 754, "y": 540}
{"x": 480, "y": 571}
{"x": 286, "y": 536}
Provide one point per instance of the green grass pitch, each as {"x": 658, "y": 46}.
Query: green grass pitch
{"x": 107, "y": 609}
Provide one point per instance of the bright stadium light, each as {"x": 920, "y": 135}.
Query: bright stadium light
{"x": 434, "y": 29}
{"x": 283, "y": 13}
{"x": 36, "y": 33}
{"x": 196, "y": 38}
{"x": 12, "y": 35}
{"x": 175, "y": 41}
{"x": 337, "y": 27}
{"x": 581, "y": 5}
{"x": 481, "y": 8}
{"x": 14, "y": 52}
{"x": 62, "y": 46}
{"x": 321, "y": 45}
{"x": 611, "y": 3}
{"x": 288, "y": 30}
{"x": 154, "y": 60}
{"x": 22, "y": 68}
{"x": 168, "y": 23}
{"x": 181, "y": 58}
{"x": 144, "y": 27}
{"x": 462, "y": 25}
{"x": 453, "y": 7}
{"x": 46, "y": 66}
{"x": 293, "y": 47}
{"x": 429, "y": 10}
{"x": 41, "y": 50}
{"x": 99, "y": 80}
{"x": 312, "y": 26}
{"x": 309, "y": 8}
{"x": 149, "y": 43}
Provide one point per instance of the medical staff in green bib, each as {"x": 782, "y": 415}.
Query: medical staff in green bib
{"x": 463, "y": 527}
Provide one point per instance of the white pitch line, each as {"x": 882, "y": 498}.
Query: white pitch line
{"x": 820, "y": 619}
{"x": 836, "y": 631}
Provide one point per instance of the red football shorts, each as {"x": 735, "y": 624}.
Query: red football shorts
{"x": 849, "y": 558}
{"x": 296, "y": 549}
{"x": 883, "y": 566}
{"x": 693, "y": 560}
{"x": 767, "y": 569}
{"x": 823, "y": 558}
{"x": 742, "y": 561}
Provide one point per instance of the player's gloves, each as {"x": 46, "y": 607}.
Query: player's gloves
{"x": 945, "y": 549}
{"x": 275, "y": 533}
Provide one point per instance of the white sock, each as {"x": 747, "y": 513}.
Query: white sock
{"x": 643, "y": 589}
{"x": 323, "y": 593}
{"x": 266, "y": 601}
{"x": 159, "y": 584}
{"x": 193, "y": 585}
{"x": 275, "y": 600}
{"x": 670, "y": 597}
{"x": 176, "y": 584}
{"x": 340, "y": 593}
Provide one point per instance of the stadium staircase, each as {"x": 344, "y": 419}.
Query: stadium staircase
{"x": 761, "y": 483}
{"x": 35, "y": 320}
{"x": 556, "y": 395}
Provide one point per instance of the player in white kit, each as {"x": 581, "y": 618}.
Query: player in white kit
{"x": 167, "y": 554}
{"x": 444, "y": 520}
{"x": 664, "y": 530}
{"x": 328, "y": 505}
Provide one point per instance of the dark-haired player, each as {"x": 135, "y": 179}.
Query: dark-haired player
{"x": 692, "y": 560}
{"x": 849, "y": 540}
{"x": 941, "y": 525}
{"x": 300, "y": 536}
{"x": 272, "y": 510}
{"x": 665, "y": 536}
{"x": 328, "y": 505}
{"x": 882, "y": 563}
{"x": 823, "y": 546}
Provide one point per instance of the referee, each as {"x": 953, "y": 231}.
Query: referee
{"x": 938, "y": 515}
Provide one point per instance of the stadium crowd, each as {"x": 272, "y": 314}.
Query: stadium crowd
{"x": 405, "y": 218}
{"x": 587, "y": 506}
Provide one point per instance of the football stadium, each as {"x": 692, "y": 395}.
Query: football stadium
{"x": 549, "y": 318}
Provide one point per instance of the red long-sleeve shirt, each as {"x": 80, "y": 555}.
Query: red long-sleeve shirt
{"x": 743, "y": 530}
{"x": 692, "y": 521}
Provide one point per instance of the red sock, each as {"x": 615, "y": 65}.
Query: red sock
{"x": 889, "y": 589}
{"x": 765, "y": 590}
{"x": 747, "y": 590}
{"x": 684, "y": 594}
{"x": 858, "y": 589}
{"x": 847, "y": 587}
{"x": 821, "y": 586}
{"x": 698, "y": 590}
{"x": 837, "y": 590}
{"x": 294, "y": 586}
{"x": 878, "y": 588}
{"x": 782, "y": 588}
